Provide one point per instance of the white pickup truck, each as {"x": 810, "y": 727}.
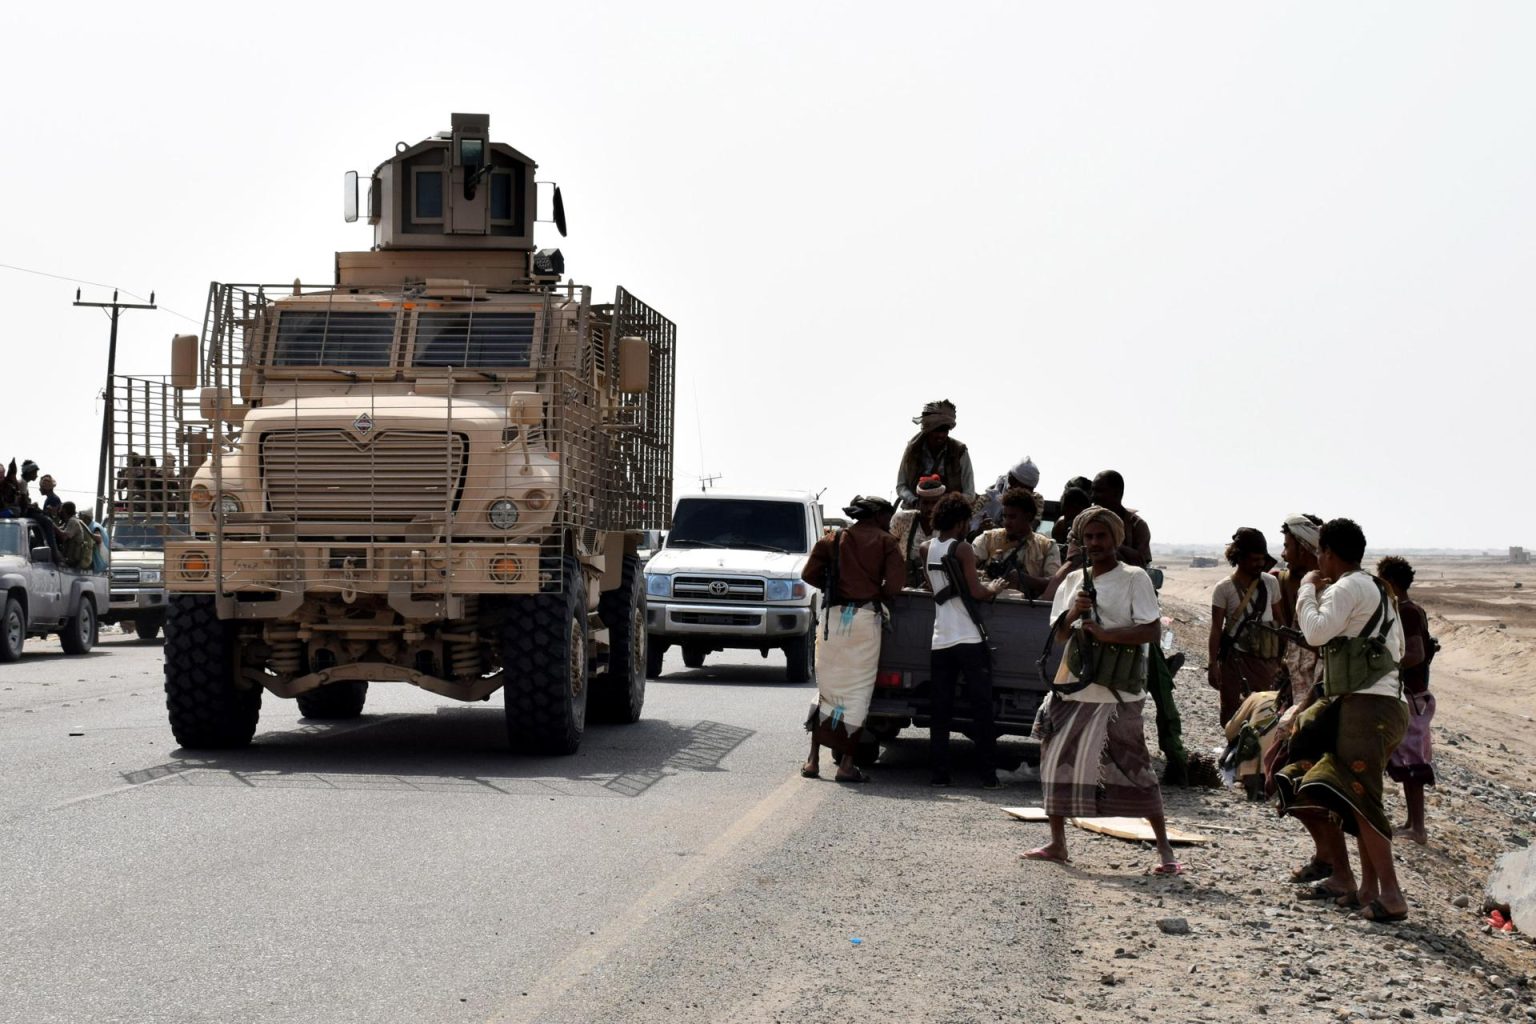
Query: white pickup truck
{"x": 729, "y": 577}
{"x": 42, "y": 597}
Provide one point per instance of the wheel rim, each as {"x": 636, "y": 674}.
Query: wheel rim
{"x": 637, "y": 647}
{"x": 87, "y": 623}
{"x": 14, "y": 629}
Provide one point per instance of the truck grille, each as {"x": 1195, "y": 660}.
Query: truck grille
{"x": 121, "y": 577}
{"x": 717, "y": 588}
{"x": 324, "y": 475}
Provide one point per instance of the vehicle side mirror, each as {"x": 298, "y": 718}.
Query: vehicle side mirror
{"x": 559, "y": 205}
{"x": 634, "y": 366}
{"x": 349, "y": 197}
{"x": 42, "y": 554}
{"x": 184, "y": 362}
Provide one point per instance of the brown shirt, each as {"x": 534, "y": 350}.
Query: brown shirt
{"x": 868, "y": 560}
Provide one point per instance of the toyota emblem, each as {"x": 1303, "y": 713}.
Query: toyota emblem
{"x": 719, "y": 588}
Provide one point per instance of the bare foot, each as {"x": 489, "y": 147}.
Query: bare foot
{"x": 1413, "y": 835}
{"x": 1058, "y": 854}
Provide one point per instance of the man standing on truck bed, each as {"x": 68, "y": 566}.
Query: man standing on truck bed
{"x": 857, "y": 570}
{"x": 932, "y": 450}
{"x": 1093, "y": 758}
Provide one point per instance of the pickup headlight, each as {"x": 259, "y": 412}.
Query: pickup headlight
{"x": 149, "y": 575}
{"x": 784, "y": 590}
{"x": 503, "y": 513}
{"x": 658, "y": 584}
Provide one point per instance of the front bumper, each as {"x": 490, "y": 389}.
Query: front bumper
{"x": 131, "y": 602}
{"x": 673, "y": 620}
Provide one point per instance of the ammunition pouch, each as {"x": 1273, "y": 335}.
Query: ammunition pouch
{"x": 1121, "y": 667}
{"x": 1354, "y": 663}
{"x": 1252, "y": 639}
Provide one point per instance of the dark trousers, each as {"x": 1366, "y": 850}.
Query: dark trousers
{"x": 947, "y": 667}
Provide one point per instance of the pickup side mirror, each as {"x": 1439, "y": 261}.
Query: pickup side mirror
{"x": 42, "y": 554}
{"x": 349, "y": 197}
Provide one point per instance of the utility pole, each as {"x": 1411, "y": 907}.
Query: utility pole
{"x": 105, "y": 458}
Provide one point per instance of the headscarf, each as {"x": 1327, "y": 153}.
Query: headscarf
{"x": 1026, "y": 473}
{"x": 935, "y": 415}
{"x": 1303, "y": 529}
{"x": 1104, "y": 515}
{"x": 864, "y": 506}
{"x": 930, "y": 486}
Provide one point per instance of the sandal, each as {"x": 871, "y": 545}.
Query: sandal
{"x": 1170, "y": 868}
{"x": 1347, "y": 901}
{"x": 807, "y": 772}
{"x": 856, "y": 777}
{"x": 1376, "y": 912}
{"x": 1320, "y": 891}
{"x": 1313, "y": 870}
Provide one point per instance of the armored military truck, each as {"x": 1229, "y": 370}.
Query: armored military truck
{"x": 434, "y": 469}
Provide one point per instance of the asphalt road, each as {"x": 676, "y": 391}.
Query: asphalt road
{"x": 406, "y": 867}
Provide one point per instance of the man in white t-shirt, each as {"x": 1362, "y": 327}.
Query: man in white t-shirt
{"x": 1342, "y": 742}
{"x": 1093, "y": 758}
{"x": 1244, "y": 658}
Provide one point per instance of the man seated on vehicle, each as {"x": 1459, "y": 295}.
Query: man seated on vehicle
{"x": 932, "y": 451}
{"x": 24, "y": 508}
{"x": 989, "y": 504}
{"x": 913, "y": 527}
{"x": 103, "y": 556}
{"x": 1109, "y": 492}
{"x": 1014, "y": 553}
{"x": 78, "y": 545}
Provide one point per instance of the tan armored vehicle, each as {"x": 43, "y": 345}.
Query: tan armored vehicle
{"x": 435, "y": 470}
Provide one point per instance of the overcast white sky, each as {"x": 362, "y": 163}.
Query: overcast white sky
{"x": 1261, "y": 258}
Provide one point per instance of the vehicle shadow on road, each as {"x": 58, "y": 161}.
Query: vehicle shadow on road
{"x": 454, "y": 750}
{"x": 768, "y": 674}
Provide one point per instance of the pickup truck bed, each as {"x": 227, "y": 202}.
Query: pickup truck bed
{"x": 1017, "y": 630}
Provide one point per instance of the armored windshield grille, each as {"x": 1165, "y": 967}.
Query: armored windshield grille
{"x": 332, "y": 338}
{"x": 332, "y": 475}
{"x": 637, "y": 456}
{"x": 157, "y": 444}
{"x": 473, "y": 339}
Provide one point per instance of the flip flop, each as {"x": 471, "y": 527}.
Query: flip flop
{"x": 1044, "y": 853}
{"x": 1168, "y": 869}
{"x": 1377, "y": 913}
{"x": 856, "y": 777}
{"x": 1313, "y": 871}
{"x": 807, "y": 772}
{"x": 1347, "y": 901}
{"x": 1320, "y": 892}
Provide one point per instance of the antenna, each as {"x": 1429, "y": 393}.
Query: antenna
{"x": 706, "y": 479}
{"x": 106, "y": 413}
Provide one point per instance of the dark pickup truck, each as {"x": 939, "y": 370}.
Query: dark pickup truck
{"x": 1016, "y": 629}
{"x": 42, "y": 597}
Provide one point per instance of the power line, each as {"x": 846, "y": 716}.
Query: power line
{"x": 95, "y": 284}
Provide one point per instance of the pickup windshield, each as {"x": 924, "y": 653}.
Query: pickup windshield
{"x": 754, "y": 523}
{"x": 144, "y": 534}
{"x": 13, "y": 537}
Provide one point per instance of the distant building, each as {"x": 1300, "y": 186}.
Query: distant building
{"x": 1519, "y": 556}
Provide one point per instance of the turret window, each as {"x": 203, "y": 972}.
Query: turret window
{"x": 429, "y": 195}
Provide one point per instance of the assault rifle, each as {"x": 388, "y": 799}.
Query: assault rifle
{"x": 1090, "y": 669}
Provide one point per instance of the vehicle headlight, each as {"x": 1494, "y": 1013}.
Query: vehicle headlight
{"x": 228, "y": 504}
{"x": 658, "y": 584}
{"x": 149, "y": 575}
{"x": 537, "y": 499}
{"x": 503, "y": 513}
{"x": 784, "y": 590}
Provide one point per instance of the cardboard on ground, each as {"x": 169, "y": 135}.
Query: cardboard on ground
{"x": 1134, "y": 829}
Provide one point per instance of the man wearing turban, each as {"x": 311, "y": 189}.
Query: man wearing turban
{"x": 932, "y": 451}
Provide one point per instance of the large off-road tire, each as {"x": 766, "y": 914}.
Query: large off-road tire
{"x": 207, "y": 710}
{"x": 148, "y": 626}
{"x": 544, "y": 662}
{"x": 693, "y": 655}
{"x": 800, "y": 657}
{"x": 13, "y": 630}
{"x": 78, "y": 634}
{"x": 336, "y": 700}
{"x": 619, "y": 693}
{"x": 655, "y": 650}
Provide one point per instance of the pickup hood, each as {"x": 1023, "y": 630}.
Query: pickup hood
{"x": 769, "y": 564}
{"x": 138, "y": 559}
